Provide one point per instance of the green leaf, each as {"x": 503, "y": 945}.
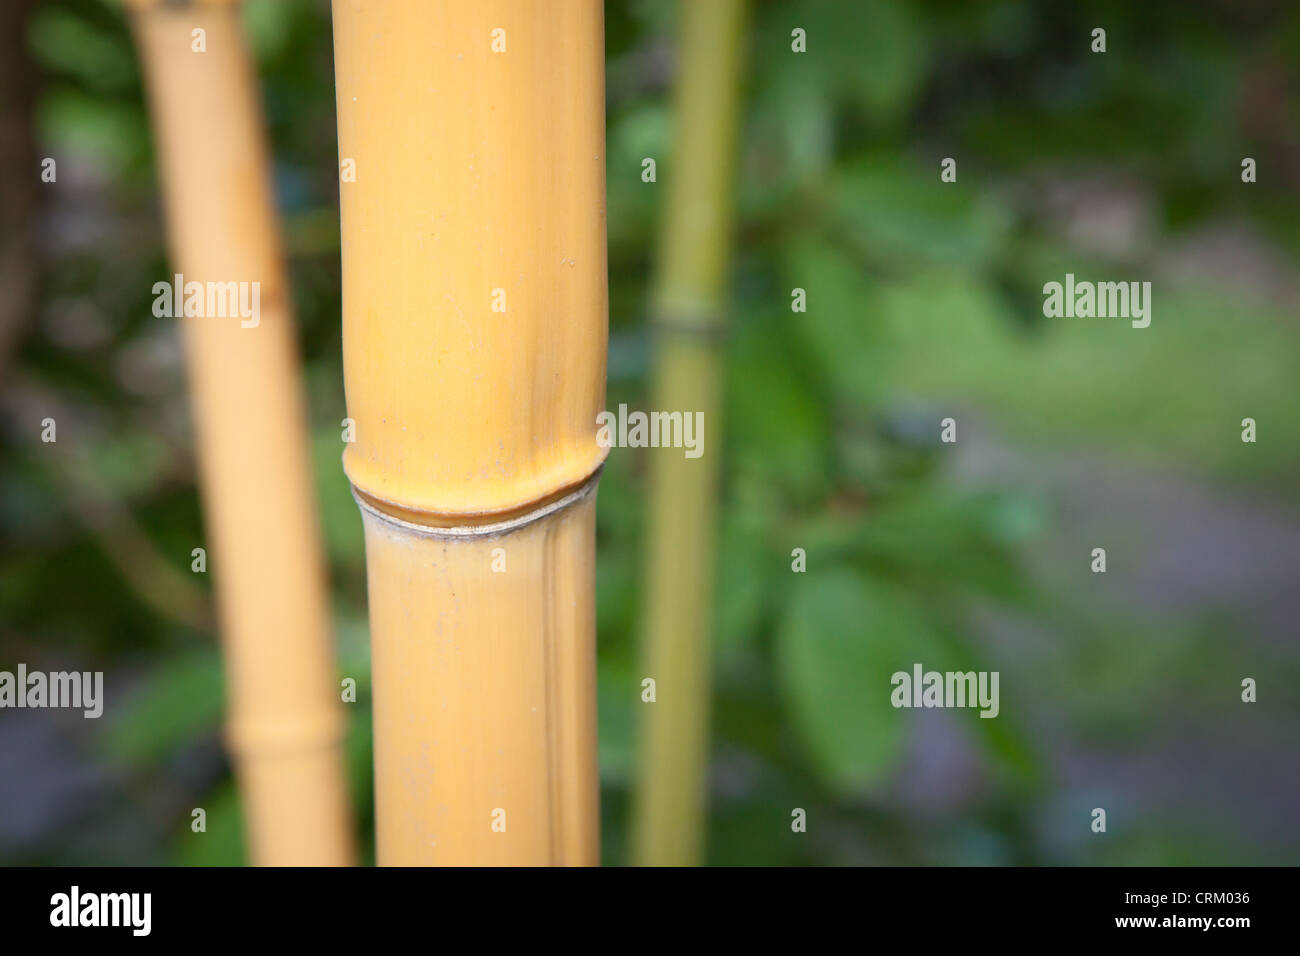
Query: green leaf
{"x": 840, "y": 641}
{"x": 746, "y": 567}
{"x": 774, "y": 421}
{"x": 877, "y": 66}
{"x": 182, "y": 701}
{"x": 222, "y": 842}
{"x": 897, "y": 212}
{"x": 843, "y": 326}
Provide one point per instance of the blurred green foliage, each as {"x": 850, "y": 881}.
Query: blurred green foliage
{"x": 923, "y": 301}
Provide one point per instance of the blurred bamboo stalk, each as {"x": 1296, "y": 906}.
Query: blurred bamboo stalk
{"x": 688, "y": 310}
{"x": 472, "y": 163}
{"x": 284, "y": 722}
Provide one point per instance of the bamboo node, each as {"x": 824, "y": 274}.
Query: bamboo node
{"x": 498, "y": 525}
{"x": 302, "y": 732}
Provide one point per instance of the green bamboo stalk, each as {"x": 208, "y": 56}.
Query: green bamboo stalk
{"x": 688, "y": 309}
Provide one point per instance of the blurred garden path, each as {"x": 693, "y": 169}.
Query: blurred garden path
{"x": 1204, "y": 573}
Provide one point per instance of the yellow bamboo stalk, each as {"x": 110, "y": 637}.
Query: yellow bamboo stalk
{"x": 471, "y": 144}
{"x": 688, "y": 310}
{"x": 284, "y": 715}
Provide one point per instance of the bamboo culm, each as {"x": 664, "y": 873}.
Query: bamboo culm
{"x": 471, "y": 154}
{"x": 687, "y": 311}
{"x": 284, "y": 718}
